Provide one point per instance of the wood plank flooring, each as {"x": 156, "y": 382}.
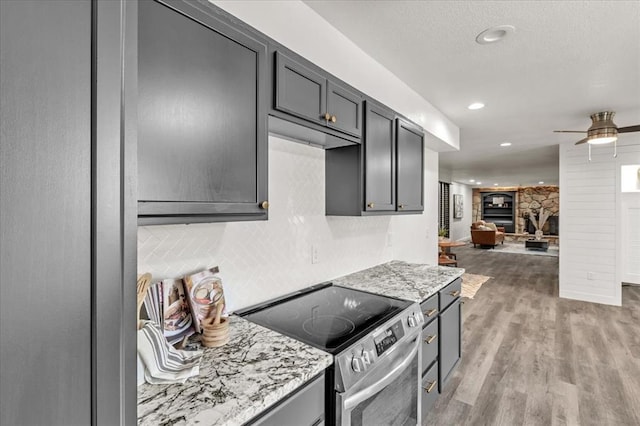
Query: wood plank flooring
{"x": 531, "y": 358}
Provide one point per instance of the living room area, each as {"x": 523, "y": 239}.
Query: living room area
{"x": 514, "y": 219}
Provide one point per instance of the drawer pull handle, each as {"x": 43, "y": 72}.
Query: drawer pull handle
{"x": 455, "y": 293}
{"x": 430, "y": 339}
{"x": 430, "y": 312}
{"x": 333, "y": 119}
{"x": 431, "y": 386}
{"x": 370, "y": 205}
{"x": 264, "y": 205}
{"x": 327, "y": 116}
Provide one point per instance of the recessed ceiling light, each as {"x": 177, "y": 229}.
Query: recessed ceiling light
{"x": 494, "y": 34}
{"x": 495, "y": 184}
{"x": 476, "y": 105}
{"x": 505, "y": 144}
{"x": 472, "y": 180}
{"x": 478, "y": 183}
{"x": 540, "y": 183}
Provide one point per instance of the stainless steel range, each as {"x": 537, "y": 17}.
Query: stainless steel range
{"x": 375, "y": 342}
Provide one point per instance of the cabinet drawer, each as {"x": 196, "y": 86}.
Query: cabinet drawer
{"x": 450, "y": 293}
{"x": 430, "y": 342}
{"x": 430, "y": 308}
{"x": 430, "y": 390}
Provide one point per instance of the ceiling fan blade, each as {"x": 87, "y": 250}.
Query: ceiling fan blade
{"x": 628, "y": 129}
{"x": 570, "y": 131}
{"x": 582, "y": 141}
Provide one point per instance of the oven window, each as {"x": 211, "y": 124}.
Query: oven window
{"x": 396, "y": 404}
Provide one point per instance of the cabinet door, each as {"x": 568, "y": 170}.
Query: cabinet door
{"x": 304, "y": 407}
{"x": 345, "y": 108}
{"x": 410, "y": 167}
{"x": 429, "y": 390}
{"x": 202, "y": 115}
{"x": 379, "y": 159}
{"x": 300, "y": 91}
{"x": 450, "y": 340}
{"x": 46, "y": 220}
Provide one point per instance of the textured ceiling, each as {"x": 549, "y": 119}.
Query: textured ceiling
{"x": 565, "y": 60}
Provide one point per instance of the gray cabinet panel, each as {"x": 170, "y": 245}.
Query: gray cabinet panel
{"x": 346, "y": 107}
{"x": 450, "y": 340}
{"x": 379, "y": 164}
{"x": 303, "y": 408}
{"x": 45, "y": 225}
{"x": 430, "y": 344}
{"x": 299, "y": 90}
{"x": 410, "y": 167}
{"x": 429, "y": 390}
{"x": 201, "y": 114}
{"x": 430, "y": 308}
{"x": 450, "y": 293}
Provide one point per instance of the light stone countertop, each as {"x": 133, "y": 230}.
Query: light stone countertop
{"x": 259, "y": 367}
{"x": 237, "y": 381}
{"x": 409, "y": 281}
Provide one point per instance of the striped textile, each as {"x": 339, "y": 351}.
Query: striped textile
{"x": 163, "y": 363}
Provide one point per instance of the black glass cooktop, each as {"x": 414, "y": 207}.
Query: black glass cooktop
{"x": 330, "y": 318}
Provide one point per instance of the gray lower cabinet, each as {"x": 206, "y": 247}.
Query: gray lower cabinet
{"x": 304, "y": 408}
{"x": 450, "y": 340}
{"x": 429, "y": 389}
{"x": 313, "y": 96}
{"x": 202, "y": 119}
{"x": 430, "y": 344}
{"x": 441, "y": 341}
{"x": 67, "y": 266}
{"x": 410, "y": 151}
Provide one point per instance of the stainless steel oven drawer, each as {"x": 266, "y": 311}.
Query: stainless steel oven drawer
{"x": 430, "y": 308}
{"x": 430, "y": 343}
{"x": 450, "y": 293}
{"x": 429, "y": 390}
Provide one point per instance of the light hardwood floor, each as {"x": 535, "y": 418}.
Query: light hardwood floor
{"x": 531, "y": 358}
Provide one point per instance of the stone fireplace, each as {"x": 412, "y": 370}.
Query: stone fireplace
{"x": 528, "y": 198}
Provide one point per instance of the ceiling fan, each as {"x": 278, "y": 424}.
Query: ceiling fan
{"x": 602, "y": 130}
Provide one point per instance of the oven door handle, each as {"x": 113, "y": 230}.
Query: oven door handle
{"x": 369, "y": 391}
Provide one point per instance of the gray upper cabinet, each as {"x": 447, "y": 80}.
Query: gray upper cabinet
{"x": 410, "y": 151}
{"x": 344, "y": 108}
{"x": 300, "y": 91}
{"x": 313, "y": 96}
{"x": 202, "y": 121}
{"x": 379, "y": 159}
{"x": 383, "y": 175}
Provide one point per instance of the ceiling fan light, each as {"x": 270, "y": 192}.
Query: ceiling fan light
{"x": 601, "y": 140}
{"x": 603, "y": 129}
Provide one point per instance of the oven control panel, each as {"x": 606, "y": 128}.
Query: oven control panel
{"x": 388, "y": 337}
{"x": 360, "y": 359}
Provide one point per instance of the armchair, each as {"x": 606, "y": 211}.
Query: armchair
{"x": 486, "y": 234}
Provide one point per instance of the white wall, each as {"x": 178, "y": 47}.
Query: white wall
{"x": 459, "y": 228}
{"x": 298, "y": 27}
{"x": 262, "y": 260}
{"x": 589, "y": 254}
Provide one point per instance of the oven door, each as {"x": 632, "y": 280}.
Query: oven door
{"x": 388, "y": 395}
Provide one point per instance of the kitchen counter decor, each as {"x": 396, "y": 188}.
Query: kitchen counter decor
{"x": 163, "y": 364}
{"x": 256, "y": 369}
{"x": 403, "y": 280}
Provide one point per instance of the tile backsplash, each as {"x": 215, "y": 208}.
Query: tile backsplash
{"x": 265, "y": 259}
